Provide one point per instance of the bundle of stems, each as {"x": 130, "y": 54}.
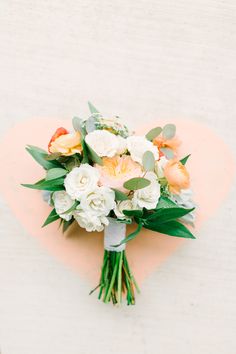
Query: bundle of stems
{"x": 116, "y": 279}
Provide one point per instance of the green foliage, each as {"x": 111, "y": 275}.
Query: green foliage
{"x": 54, "y": 173}
{"x": 132, "y": 235}
{"x": 163, "y": 215}
{"x": 153, "y": 133}
{"x": 169, "y": 154}
{"x": 120, "y": 195}
{"x": 171, "y": 228}
{"x": 67, "y": 224}
{"x": 136, "y": 183}
{"x": 51, "y": 185}
{"x": 92, "y": 108}
{"x": 148, "y": 161}
{"x": 169, "y": 131}
{"x": 53, "y": 216}
{"x": 185, "y": 159}
{"x": 39, "y": 156}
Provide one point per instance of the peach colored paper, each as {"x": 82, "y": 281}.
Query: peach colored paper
{"x": 211, "y": 167}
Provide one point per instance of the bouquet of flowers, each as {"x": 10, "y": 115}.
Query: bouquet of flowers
{"x": 103, "y": 177}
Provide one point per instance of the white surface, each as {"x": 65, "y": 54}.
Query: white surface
{"x": 140, "y": 59}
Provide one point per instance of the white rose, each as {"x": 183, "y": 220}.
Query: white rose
{"x": 103, "y": 142}
{"x": 123, "y": 205}
{"x": 184, "y": 200}
{"x": 122, "y": 145}
{"x": 62, "y": 203}
{"x": 81, "y": 180}
{"x": 160, "y": 165}
{"x": 138, "y": 145}
{"x": 89, "y": 221}
{"x": 148, "y": 197}
{"x": 99, "y": 201}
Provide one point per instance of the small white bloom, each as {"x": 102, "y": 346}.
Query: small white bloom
{"x": 81, "y": 180}
{"x": 148, "y": 197}
{"x": 160, "y": 165}
{"x": 99, "y": 201}
{"x": 123, "y": 205}
{"x": 103, "y": 142}
{"x": 89, "y": 221}
{"x": 62, "y": 203}
{"x": 184, "y": 200}
{"x": 122, "y": 145}
{"x": 138, "y": 145}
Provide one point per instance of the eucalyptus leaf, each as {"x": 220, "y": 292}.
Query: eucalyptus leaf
{"x": 54, "y": 173}
{"x": 168, "y": 153}
{"x": 53, "y": 216}
{"x": 185, "y": 159}
{"x": 153, "y": 133}
{"x": 171, "y": 228}
{"x": 53, "y": 156}
{"x": 169, "y": 131}
{"x": 120, "y": 195}
{"x": 136, "y": 183}
{"x": 148, "y": 161}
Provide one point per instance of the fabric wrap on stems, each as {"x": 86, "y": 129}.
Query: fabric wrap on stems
{"x": 114, "y": 233}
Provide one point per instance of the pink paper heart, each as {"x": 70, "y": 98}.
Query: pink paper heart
{"x": 211, "y": 168}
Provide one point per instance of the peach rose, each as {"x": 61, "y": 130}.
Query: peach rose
{"x": 177, "y": 176}
{"x": 116, "y": 170}
{"x": 64, "y": 142}
{"x": 172, "y": 144}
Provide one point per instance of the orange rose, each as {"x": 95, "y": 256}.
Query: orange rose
{"x": 177, "y": 176}
{"x": 172, "y": 144}
{"x": 65, "y": 143}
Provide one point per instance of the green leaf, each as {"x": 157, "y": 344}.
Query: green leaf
{"x": 120, "y": 195}
{"x": 92, "y": 108}
{"x": 53, "y": 216}
{"x": 85, "y": 152}
{"x": 165, "y": 202}
{"x": 39, "y": 156}
{"x": 53, "y": 156}
{"x": 54, "y": 173}
{"x": 93, "y": 155}
{"x": 164, "y": 215}
{"x": 148, "y": 161}
{"x": 153, "y": 133}
{"x": 67, "y": 224}
{"x": 169, "y": 131}
{"x": 131, "y": 236}
{"x": 135, "y": 213}
{"x": 51, "y": 185}
{"x": 136, "y": 183}
{"x": 73, "y": 207}
{"x": 90, "y": 124}
{"x": 171, "y": 228}
{"x": 77, "y": 124}
{"x": 168, "y": 153}
{"x": 185, "y": 159}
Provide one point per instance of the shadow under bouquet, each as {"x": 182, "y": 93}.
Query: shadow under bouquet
{"x": 103, "y": 177}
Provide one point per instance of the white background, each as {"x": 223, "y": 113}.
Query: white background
{"x": 142, "y": 60}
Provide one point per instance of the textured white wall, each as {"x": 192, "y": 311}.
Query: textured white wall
{"x": 141, "y": 59}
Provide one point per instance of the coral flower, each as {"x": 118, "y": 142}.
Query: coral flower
{"x": 176, "y": 175}
{"x": 172, "y": 144}
{"x": 65, "y": 143}
{"x": 116, "y": 170}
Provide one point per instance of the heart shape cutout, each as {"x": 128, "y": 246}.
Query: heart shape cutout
{"x": 211, "y": 168}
